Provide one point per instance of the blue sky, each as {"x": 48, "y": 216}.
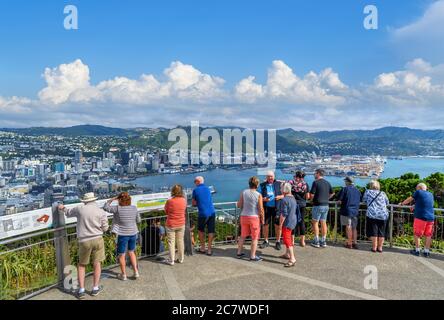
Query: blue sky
{"x": 219, "y": 44}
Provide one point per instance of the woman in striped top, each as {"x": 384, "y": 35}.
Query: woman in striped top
{"x": 125, "y": 222}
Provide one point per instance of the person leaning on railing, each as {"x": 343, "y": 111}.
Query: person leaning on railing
{"x": 424, "y": 218}
{"x": 252, "y": 216}
{"x": 175, "y": 209}
{"x": 125, "y": 220}
{"x": 91, "y": 223}
{"x": 377, "y": 214}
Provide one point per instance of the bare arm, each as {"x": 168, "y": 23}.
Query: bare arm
{"x": 240, "y": 202}
{"x": 407, "y": 201}
{"x": 261, "y": 209}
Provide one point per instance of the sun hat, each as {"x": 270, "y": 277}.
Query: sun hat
{"x": 89, "y": 197}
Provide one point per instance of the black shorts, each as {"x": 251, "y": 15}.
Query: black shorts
{"x": 270, "y": 216}
{"x": 300, "y": 227}
{"x": 210, "y": 222}
{"x": 376, "y": 228}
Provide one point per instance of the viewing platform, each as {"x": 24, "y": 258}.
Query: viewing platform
{"x": 331, "y": 273}
{"x": 33, "y": 266}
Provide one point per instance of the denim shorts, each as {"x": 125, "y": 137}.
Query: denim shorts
{"x": 126, "y": 242}
{"x": 319, "y": 213}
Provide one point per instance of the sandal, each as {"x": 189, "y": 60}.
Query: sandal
{"x": 284, "y": 256}
{"x": 240, "y": 256}
{"x": 290, "y": 264}
{"x": 200, "y": 251}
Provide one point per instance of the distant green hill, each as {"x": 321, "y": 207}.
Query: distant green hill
{"x": 384, "y": 141}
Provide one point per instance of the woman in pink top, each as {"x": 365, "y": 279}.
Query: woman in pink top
{"x": 175, "y": 209}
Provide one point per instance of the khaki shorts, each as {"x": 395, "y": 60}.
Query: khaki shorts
{"x": 91, "y": 250}
{"x": 349, "y": 222}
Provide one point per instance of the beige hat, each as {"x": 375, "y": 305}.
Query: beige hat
{"x": 89, "y": 197}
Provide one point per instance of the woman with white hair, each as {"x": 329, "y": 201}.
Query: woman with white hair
{"x": 377, "y": 214}
{"x": 289, "y": 218}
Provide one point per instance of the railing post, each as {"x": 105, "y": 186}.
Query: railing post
{"x": 61, "y": 243}
{"x": 336, "y": 223}
{"x": 187, "y": 237}
{"x": 236, "y": 221}
{"x": 391, "y": 226}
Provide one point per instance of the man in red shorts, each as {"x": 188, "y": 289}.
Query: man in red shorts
{"x": 424, "y": 215}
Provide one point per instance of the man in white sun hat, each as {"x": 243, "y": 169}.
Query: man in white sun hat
{"x": 91, "y": 223}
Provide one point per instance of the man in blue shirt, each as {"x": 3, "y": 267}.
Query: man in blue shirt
{"x": 272, "y": 195}
{"x": 207, "y": 215}
{"x": 424, "y": 215}
{"x": 350, "y": 199}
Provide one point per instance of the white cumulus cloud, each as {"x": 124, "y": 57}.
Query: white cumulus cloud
{"x": 418, "y": 84}
{"x": 324, "y": 88}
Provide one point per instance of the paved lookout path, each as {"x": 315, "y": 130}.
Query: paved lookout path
{"x": 331, "y": 273}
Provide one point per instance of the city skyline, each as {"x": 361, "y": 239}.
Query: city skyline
{"x": 237, "y": 71}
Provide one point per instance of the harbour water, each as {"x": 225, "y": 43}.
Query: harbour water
{"x": 229, "y": 183}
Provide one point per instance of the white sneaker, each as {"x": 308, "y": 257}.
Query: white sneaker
{"x": 136, "y": 275}
{"x": 169, "y": 262}
{"x": 122, "y": 277}
{"x": 179, "y": 261}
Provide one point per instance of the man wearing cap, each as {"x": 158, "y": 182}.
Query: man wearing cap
{"x": 91, "y": 223}
{"x": 350, "y": 199}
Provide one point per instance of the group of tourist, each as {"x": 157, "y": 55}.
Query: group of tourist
{"x": 280, "y": 203}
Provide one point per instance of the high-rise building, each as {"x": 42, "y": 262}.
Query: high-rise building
{"x": 59, "y": 167}
{"x": 78, "y": 157}
{"x": 132, "y": 166}
{"x": 9, "y": 165}
{"x": 125, "y": 156}
{"x": 1, "y": 163}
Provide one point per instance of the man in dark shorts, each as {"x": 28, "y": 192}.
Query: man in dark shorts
{"x": 272, "y": 195}
{"x": 350, "y": 200}
{"x": 207, "y": 215}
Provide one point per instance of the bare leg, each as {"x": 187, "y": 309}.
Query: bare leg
{"x": 240, "y": 245}
{"x": 202, "y": 240}
{"x": 375, "y": 241}
{"x": 303, "y": 241}
{"x": 97, "y": 272}
{"x": 324, "y": 228}
{"x": 428, "y": 243}
{"x": 265, "y": 232}
{"x": 210, "y": 242}
{"x": 417, "y": 242}
{"x": 253, "y": 248}
{"x": 81, "y": 274}
{"x": 355, "y": 236}
{"x": 380, "y": 243}
{"x": 349, "y": 232}
{"x": 133, "y": 260}
{"x": 278, "y": 231}
{"x": 315, "y": 228}
{"x": 291, "y": 254}
{"x": 122, "y": 262}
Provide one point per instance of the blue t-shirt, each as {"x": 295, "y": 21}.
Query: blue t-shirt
{"x": 271, "y": 195}
{"x": 350, "y": 198}
{"x": 202, "y": 195}
{"x": 424, "y": 204}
